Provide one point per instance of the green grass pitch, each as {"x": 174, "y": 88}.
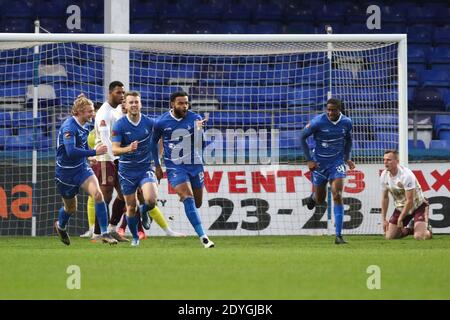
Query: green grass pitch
{"x": 265, "y": 267}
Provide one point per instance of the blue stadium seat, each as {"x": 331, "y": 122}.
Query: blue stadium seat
{"x": 18, "y": 9}
{"x": 210, "y": 9}
{"x": 298, "y": 27}
{"x": 300, "y": 12}
{"x": 4, "y": 133}
{"x": 440, "y": 144}
{"x": 447, "y": 99}
{"x": 13, "y": 89}
{"x": 421, "y": 33}
{"x": 418, "y": 53}
{"x": 419, "y": 144}
{"x": 143, "y": 26}
{"x": 334, "y": 11}
{"x": 24, "y": 140}
{"x": 174, "y": 26}
{"x": 205, "y": 27}
{"x": 394, "y": 13}
{"x": 435, "y": 78}
{"x": 290, "y": 139}
{"x": 237, "y": 11}
{"x": 441, "y": 54}
{"x": 436, "y": 12}
{"x": 442, "y": 34}
{"x": 17, "y": 25}
{"x": 429, "y": 99}
{"x": 51, "y": 9}
{"x": 17, "y": 72}
{"x": 234, "y": 27}
{"x": 266, "y": 27}
{"x": 5, "y": 119}
{"x": 268, "y": 10}
{"x": 67, "y": 93}
{"x": 442, "y": 126}
{"x": 95, "y": 26}
{"x": 92, "y": 73}
{"x": 140, "y": 9}
{"x": 356, "y": 12}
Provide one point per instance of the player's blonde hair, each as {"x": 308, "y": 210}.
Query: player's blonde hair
{"x": 80, "y": 104}
{"x": 131, "y": 93}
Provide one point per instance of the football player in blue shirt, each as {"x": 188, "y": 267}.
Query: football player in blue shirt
{"x": 72, "y": 170}
{"x": 333, "y": 143}
{"x": 179, "y": 129}
{"x": 131, "y": 139}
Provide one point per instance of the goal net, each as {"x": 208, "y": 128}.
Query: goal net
{"x": 258, "y": 94}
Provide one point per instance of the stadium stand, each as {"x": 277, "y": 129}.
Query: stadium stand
{"x": 427, "y": 26}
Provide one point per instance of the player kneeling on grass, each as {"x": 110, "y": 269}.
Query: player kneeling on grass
{"x": 409, "y": 201}
{"x": 72, "y": 170}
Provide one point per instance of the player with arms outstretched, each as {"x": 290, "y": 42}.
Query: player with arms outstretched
{"x": 72, "y": 170}
{"x": 332, "y": 134}
{"x": 183, "y": 163}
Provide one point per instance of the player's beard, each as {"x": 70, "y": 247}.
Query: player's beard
{"x": 179, "y": 113}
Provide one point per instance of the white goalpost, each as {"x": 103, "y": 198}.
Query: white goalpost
{"x": 258, "y": 91}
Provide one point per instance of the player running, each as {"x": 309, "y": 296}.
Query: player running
{"x": 332, "y": 134}
{"x": 183, "y": 163}
{"x": 72, "y": 170}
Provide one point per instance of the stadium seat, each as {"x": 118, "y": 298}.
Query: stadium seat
{"x": 440, "y": 54}
{"x": 18, "y": 9}
{"x": 268, "y": 10}
{"x": 298, "y": 27}
{"x": 301, "y": 12}
{"x": 290, "y": 139}
{"x": 419, "y": 144}
{"x": 208, "y": 9}
{"x": 49, "y": 73}
{"x": 441, "y": 123}
{"x": 440, "y": 144}
{"x": 22, "y": 71}
{"x": 234, "y": 27}
{"x": 5, "y": 119}
{"x": 148, "y": 10}
{"x": 394, "y": 13}
{"x": 174, "y": 26}
{"x": 442, "y": 34}
{"x": 142, "y": 26}
{"x": 435, "y": 78}
{"x": 266, "y": 27}
{"x": 420, "y": 34}
{"x": 436, "y": 12}
{"x": 205, "y": 27}
{"x": 17, "y": 25}
{"x": 51, "y": 9}
{"x": 237, "y": 11}
{"x": 418, "y": 54}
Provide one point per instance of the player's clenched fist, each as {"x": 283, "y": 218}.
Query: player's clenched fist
{"x": 101, "y": 149}
{"x": 133, "y": 146}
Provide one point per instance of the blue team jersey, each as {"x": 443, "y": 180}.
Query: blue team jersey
{"x": 72, "y": 135}
{"x": 330, "y": 137}
{"x": 125, "y": 132}
{"x": 180, "y": 149}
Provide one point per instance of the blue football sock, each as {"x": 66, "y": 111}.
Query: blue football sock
{"x": 144, "y": 208}
{"x": 338, "y": 218}
{"x": 132, "y": 225}
{"x": 193, "y": 216}
{"x": 63, "y": 218}
{"x": 102, "y": 216}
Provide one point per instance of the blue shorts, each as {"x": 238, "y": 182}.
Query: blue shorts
{"x": 328, "y": 171}
{"x": 131, "y": 180}
{"x": 192, "y": 174}
{"x": 68, "y": 181}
